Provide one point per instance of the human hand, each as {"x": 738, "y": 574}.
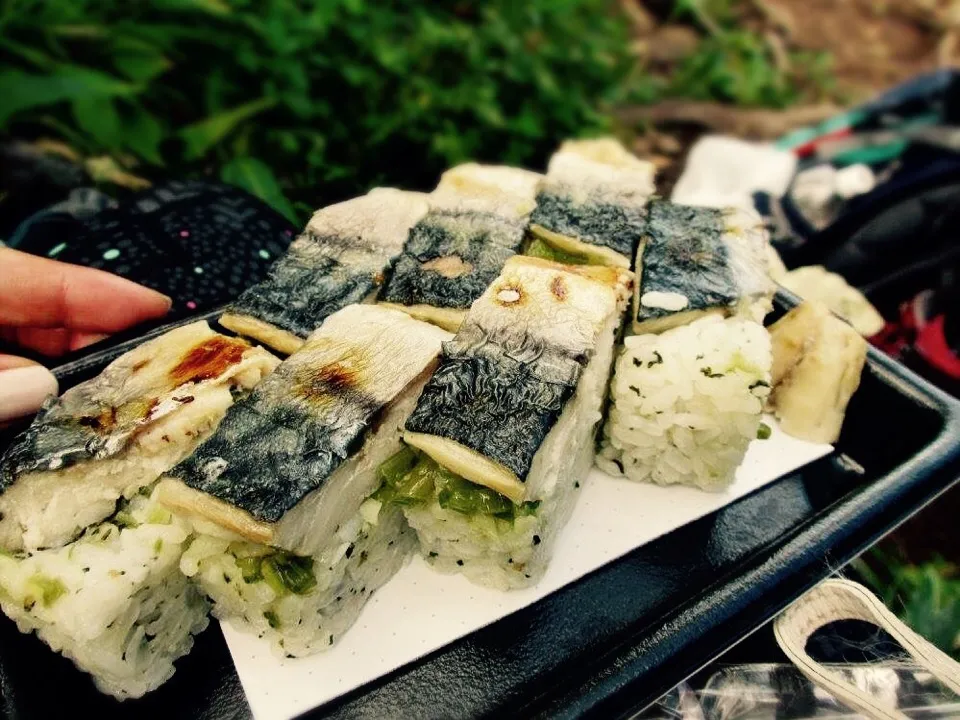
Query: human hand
{"x": 52, "y": 308}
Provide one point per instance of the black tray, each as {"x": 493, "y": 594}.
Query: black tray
{"x": 615, "y": 640}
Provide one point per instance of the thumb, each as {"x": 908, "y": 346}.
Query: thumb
{"x": 24, "y": 386}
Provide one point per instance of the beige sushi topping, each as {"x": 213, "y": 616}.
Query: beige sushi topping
{"x": 817, "y": 361}
{"x": 197, "y": 505}
{"x": 469, "y": 464}
{"x": 280, "y": 340}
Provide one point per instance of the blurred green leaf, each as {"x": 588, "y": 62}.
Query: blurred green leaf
{"x": 97, "y": 117}
{"x": 23, "y": 91}
{"x": 257, "y": 178}
{"x": 142, "y": 135}
{"x": 201, "y": 136}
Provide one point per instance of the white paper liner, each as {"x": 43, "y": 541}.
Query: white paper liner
{"x": 420, "y": 610}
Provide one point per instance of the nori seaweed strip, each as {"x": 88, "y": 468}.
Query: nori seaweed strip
{"x": 616, "y": 227}
{"x": 271, "y": 456}
{"x": 498, "y": 399}
{"x": 479, "y": 243}
{"x": 684, "y": 253}
{"x": 310, "y": 283}
{"x": 312, "y": 413}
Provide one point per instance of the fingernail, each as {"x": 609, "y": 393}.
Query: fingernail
{"x": 23, "y": 390}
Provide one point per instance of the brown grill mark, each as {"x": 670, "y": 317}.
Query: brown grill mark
{"x": 209, "y": 359}
{"x": 558, "y": 288}
{"x": 335, "y": 378}
{"x": 450, "y": 266}
{"x": 140, "y": 365}
{"x": 103, "y": 422}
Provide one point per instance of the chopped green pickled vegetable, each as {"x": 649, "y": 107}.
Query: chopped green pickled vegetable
{"x": 271, "y": 617}
{"x": 740, "y": 362}
{"x": 541, "y": 249}
{"x": 158, "y": 545}
{"x": 49, "y": 589}
{"x": 159, "y": 516}
{"x": 287, "y": 573}
{"x": 427, "y": 479}
{"x": 125, "y": 520}
{"x": 455, "y": 493}
{"x": 406, "y": 483}
{"x": 764, "y": 431}
{"x": 250, "y": 569}
{"x": 417, "y": 485}
{"x": 393, "y": 469}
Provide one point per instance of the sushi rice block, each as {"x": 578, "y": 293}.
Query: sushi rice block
{"x": 340, "y": 258}
{"x": 114, "y": 601}
{"x": 478, "y": 217}
{"x": 503, "y": 433}
{"x": 685, "y": 404}
{"x": 591, "y": 206}
{"x": 111, "y": 436}
{"x": 694, "y": 261}
{"x": 290, "y": 547}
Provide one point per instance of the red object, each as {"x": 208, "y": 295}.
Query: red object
{"x": 931, "y": 345}
{"x": 809, "y": 148}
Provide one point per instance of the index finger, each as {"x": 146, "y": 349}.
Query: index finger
{"x": 37, "y": 292}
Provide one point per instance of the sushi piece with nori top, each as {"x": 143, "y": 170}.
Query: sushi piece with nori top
{"x": 110, "y": 436}
{"x": 592, "y": 201}
{"x": 477, "y": 220}
{"x": 341, "y": 258}
{"x": 113, "y": 601}
{"x": 693, "y": 261}
{"x": 505, "y": 427}
{"x": 289, "y": 547}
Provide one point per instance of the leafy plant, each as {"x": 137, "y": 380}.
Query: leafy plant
{"x": 926, "y": 597}
{"x": 310, "y": 101}
{"x": 740, "y": 66}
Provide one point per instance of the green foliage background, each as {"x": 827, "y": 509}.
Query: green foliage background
{"x": 304, "y": 102}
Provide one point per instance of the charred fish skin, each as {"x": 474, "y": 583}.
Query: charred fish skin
{"x": 302, "y": 423}
{"x": 515, "y": 362}
{"x": 98, "y": 418}
{"x": 450, "y": 258}
{"x": 595, "y": 193}
{"x": 694, "y": 260}
{"x": 477, "y": 220}
{"x": 306, "y": 285}
{"x": 683, "y": 254}
{"x": 498, "y": 399}
{"x": 340, "y": 259}
{"x": 616, "y": 227}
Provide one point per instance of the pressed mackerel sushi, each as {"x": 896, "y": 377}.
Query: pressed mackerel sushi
{"x": 289, "y": 549}
{"x": 111, "y": 436}
{"x": 591, "y": 204}
{"x": 477, "y": 220}
{"x": 503, "y": 433}
{"x": 694, "y": 260}
{"x": 114, "y": 601}
{"x": 340, "y": 259}
{"x": 685, "y": 404}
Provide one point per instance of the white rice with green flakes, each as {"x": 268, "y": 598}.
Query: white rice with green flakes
{"x": 113, "y": 601}
{"x": 686, "y": 404}
{"x": 302, "y": 605}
